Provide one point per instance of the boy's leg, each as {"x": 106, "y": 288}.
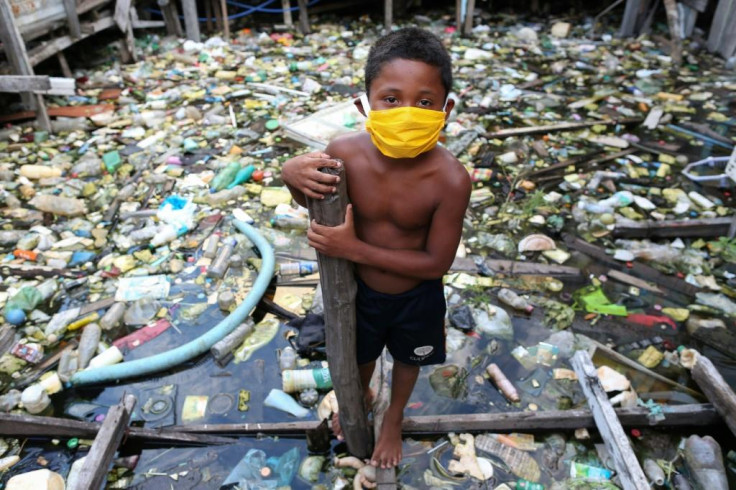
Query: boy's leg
{"x": 366, "y": 373}
{"x": 387, "y": 453}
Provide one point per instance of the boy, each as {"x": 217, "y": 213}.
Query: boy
{"x": 404, "y": 224}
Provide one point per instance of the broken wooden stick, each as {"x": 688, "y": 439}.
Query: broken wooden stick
{"x": 551, "y": 128}
{"x": 719, "y": 393}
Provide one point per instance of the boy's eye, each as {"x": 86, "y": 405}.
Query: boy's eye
{"x": 425, "y": 102}
{"x": 391, "y": 99}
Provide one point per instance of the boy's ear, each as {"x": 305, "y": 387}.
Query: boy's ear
{"x": 359, "y": 105}
{"x": 448, "y": 107}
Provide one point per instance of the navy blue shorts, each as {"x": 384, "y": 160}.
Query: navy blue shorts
{"x": 410, "y": 324}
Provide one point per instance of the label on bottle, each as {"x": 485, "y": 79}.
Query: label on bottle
{"x": 580, "y": 470}
{"x": 302, "y": 379}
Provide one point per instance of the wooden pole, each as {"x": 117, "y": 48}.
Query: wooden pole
{"x": 225, "y": 20}
{"x": 673, "y": 20}
{"x": 15, "y": 49}
{"x": 286, "y": 7}
{"x": 388, "y": 15}
{"x": 385, "y": 478}
{"x": 72, "y": 18}
{"x": 459, "y": 16}
{"x": 613, "y": 435}
{"x": 171, "y": 18}
{"x": 505, "y": 133}
{"x": 64, "y": 65}
{"x": 208, "y": 15}
{"x": 303, "y": 17}
{"x": 714, "y": 387}
{"x": 106, "y": 445}
{"x": 469, "y": 17}
{"x": 339, "y": 288}
{"x": 191, "y": 20}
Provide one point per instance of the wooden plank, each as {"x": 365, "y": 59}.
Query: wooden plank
{"x": 49, "y": 49}
{"x": 551, "y": 128}
{"x": 459, "y": 16}
{"x": 303, "y": 17}
{"x": 675, "y": 416}
{"x": 710, "y": 227}
{"x": 171, "y": 18}
{"x": 716, "y": 388}
{"x": 72, "y": 18}
{"x": 637, "y": 269}
{"x": 191, "y": 20}
{"x": 12, "y": 424}
{"x": 23, "y": 83}
{"x": 619, "y": 447}
{"x": 100, "y": 456}
{"x": 339, "y": 287}
{"x": 64, "y": 65}
{"x": 516, "y": 268}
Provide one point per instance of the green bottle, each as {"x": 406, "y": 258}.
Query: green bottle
{"x": 243, "y": 175}
{"x": 225, "y": 176}
{"x": 528, "y": 485}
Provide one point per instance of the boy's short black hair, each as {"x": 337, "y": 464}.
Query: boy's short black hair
{"x": 410, "y": 43}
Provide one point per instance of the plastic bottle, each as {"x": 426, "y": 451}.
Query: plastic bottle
{"x": 144, "y": 234}
{"x": 302, "y": 379}
{"x": 226, "y": 195}
{"x": 29, "y": 352}
{"x": 68, "y": 365}
{"x": 37, "y": 480}
{"x": 243, "y": 175}
{"x": 51, "y": 382}
{"x": 85, "y": 320}
{"x": 290, "y": 222}
{"x": 502, "y": 383}
{"x": 510, "y": 298}
{"x": 9, "y": 400}
{"x": 58, "y": 205}
{"x": 287, "y": 359}
{"x": 112, "y": 317}
{"x": 302, "y": 268}
{"x": 528, "y": 485}
{"x": 72, "y": 480}
{"x": 88, "y": 344}
{"x": 87, "y": 167}
{"x": 225, "y": 177}
{"x": 36, "y": 172}
{"x": 26, "y": 255}
{"x": 210, "y": 250}
{"x": 221, "y": 263}
{"x": 225, "y": 300}
{"x": 35, "y": 399}
{"x": 580, "y": 470}
{"x": 167, "y": 234}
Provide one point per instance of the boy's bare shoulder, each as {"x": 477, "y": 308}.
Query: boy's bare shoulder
{"x": 345, "y": 145}
{"x": 455, "y": 175}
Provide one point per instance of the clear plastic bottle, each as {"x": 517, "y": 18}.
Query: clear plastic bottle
{"x": 112, "y": 317}
{"x": 88, "y": 343}
{"x": 210, "y": 251}
{"x": 510, "y": 298}
{"x": 287, "y": 359}
{"x": 143, "y": 234}
{"x": 222, "y": 261}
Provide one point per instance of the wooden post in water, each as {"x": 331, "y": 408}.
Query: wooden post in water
{"x": 286, "y": 7}
{"x": 303, "y": 17}
{"x": 191, "y": 20}
{"x": 388, "y": 15}
{"x": 338, "y": 291}
{"x": 716, "y": 388}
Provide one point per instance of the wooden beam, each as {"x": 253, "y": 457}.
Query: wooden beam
{"x": 191, "y": 20}
{"x": 619, "y": 447}
{"x": 468, "y": 27}
{"x": 64, "y": 65}
{"x": 225, "y": 20}
{"x": 674, "y": 24}
{"x": 286, "y": 7}
{"x": 12, "y": 424}
{"x": 303, "y": 17}
{"x": 72, "y": 18}
{"x": 516, "y": 268}
{"x": 38, "y": 84}
{"x": 106, "y": 445}
{"x": 631, "y": 13}
{"x": 716, "y": 388}
{"x": 171, "y": 18}
{"x": 699, "y": 5}
{"x": 551, "y": 128}
{"x": 675, "y": 416}
{"x": 719, "y": 26}
{"x": 339, "y": 287}
{"x": 388, "y": 15}
{"x": 15, "y": 49}
{"x": 709, "y": 227}
{"x": 49, "y": 49}
{"x": 459, "y": 16}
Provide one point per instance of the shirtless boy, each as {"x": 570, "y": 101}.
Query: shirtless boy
{"x": 403, "y": 227}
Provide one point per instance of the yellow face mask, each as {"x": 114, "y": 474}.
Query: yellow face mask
{"x": 403, "y": 132}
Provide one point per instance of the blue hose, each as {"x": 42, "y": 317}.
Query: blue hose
{"x": 200, "y": 345}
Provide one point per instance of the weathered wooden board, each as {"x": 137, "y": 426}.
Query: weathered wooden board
{"x": 716, "y": 388}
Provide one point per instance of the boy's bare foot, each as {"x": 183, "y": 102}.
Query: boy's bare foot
{"x": 387, "y": 453}
{"x": 369, "y": 397}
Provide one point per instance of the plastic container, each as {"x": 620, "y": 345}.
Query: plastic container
{"x": 167, "y": 234}
{"x": 29, "y": 352}
{"x": 35, "y": 399}
{"x": 51, "y": 383}
{"x": 301, "y": 268}
{"x": 85, "y": 320}
{"x": 88, "y": 344}
{"x": 226, "y": 195}
{"x": 225, "y": 177}
{"x": 510, "y": 298}
{"x": 221, "y": 263}
{"x": 243, "y": 175}
{"x": 36, "y": 172}
{"x": 287, "y": 359}
{"x": 68, "y": 365}
{"x": 108, "y": 358}
{"x": 588, "y": 472}
{"x": 210, "y": 250}
{"x": 226, "y": 300}
{"x": 58, "y": 205}
{"x": 72, "y": 479}
{"x": 297, "y": 380}
{"x": 694, "y": 172}
{"x": 113, "y": 316}
{"x": 144, "y": 234}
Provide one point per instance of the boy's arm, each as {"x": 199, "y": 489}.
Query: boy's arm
{"x": 432, "y": 262}
{"x": 302, "y": 176}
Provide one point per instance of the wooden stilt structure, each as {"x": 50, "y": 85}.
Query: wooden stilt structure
{"x": 191, "y": 20}
{"x": 286, "y": 7}
{"x": 674, "y": 24}
{"x": 716, "y": 389}
{"x": 338, "y": 285}
{"x": 388, "y": 15}
{"x": 303, "y": 17}
{"x": 468, "y": 26}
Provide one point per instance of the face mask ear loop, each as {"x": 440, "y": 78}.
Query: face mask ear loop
{"x": 445, "y": 106}
{"x": 366, "y": 104}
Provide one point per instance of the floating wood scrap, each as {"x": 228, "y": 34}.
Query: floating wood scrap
{"x": 551, "y": 128}
{"x": 619, "y": 447}
{"x": 516, "y": 268}
{"x": 711, "y": 227}
{"x": 38, "y": 84}
{"x": 719, "y": 393}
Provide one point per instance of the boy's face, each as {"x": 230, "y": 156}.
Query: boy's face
{"x": 407, "y": 83}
